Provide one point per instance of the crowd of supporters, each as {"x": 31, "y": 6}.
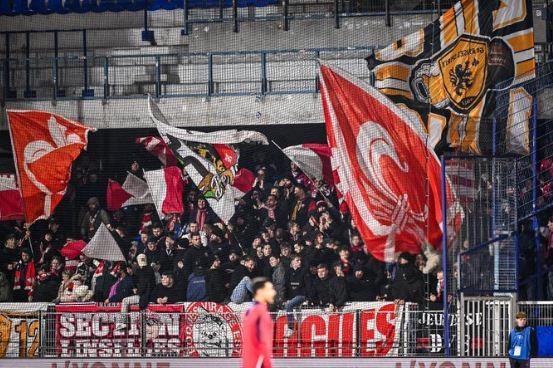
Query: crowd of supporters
{"x": 286, "y": 228}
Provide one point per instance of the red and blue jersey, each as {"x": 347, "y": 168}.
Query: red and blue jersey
{"x": 257, "y": 337}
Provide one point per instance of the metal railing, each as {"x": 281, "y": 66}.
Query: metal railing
{"x": 540, "y": 313}
{"x": 176, "y": 75}
{"x": 380, "y": 329}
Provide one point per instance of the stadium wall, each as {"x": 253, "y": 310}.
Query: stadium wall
{"x": 278, "y": 363}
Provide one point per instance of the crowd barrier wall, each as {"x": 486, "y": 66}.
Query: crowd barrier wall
{"x": 284, "y": 363}
{"x": 204, "y": 329}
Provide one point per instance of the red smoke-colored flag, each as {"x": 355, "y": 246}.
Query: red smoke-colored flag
{"x": 157, "y": 147}
{"x": 11, "y": 205}
{"x": 44, "y": 145}
{"x": 313, "y": 159}
{"x": 166, "y": 187}
{"x": 389, "y": 178}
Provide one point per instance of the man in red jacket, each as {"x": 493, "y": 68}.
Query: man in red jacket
{"x": 257, "y": 336}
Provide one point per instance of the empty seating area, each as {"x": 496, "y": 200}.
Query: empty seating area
{"x": 25, "y": 7}
{"x": 177, "y": 74}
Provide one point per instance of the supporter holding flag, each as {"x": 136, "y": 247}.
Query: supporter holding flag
{"x": 313, "y": 159}
{"x": 25, "y": 275}
{"x": 389, "y": 177}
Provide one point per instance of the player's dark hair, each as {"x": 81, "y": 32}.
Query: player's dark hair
{"x": 259, "y": 283}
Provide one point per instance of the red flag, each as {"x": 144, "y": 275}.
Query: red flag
{"x": 73, "y": 249}
{"x": 389, "y": 178}
{"x": 11, "y": 205}
{"x": 166, "y": 187}
{"x": 227, "y": 154}
{"x": 243, "y": 182}
{"x": 116, "y": 195}
{"x": 157, "y": 147}
{"x": 44, "y": 145}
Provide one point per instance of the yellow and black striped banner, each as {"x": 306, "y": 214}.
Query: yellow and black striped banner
{"x": 447, "y": 73}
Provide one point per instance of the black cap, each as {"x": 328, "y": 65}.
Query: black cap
{"x": 408, "y": 257}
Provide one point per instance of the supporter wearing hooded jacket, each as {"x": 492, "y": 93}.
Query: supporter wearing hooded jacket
{"x": 92, "y": 219}
{"x": 408, "y": 283}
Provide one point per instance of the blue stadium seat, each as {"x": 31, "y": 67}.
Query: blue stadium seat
{"x": 164, "y": 4}
{"x": 21, "y": 7}
{"x": 132, "y": 5}
{"x": 39, "y": 7}
{"x": 57, "y": 6}
{"x": 5, "y": 8}
{"x": 111, "y": 5}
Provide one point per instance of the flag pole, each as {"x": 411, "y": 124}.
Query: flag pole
{"x": 310, "y": 179}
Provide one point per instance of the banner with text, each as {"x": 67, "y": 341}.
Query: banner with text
{"x": 20, "y": 329}
{"x": 205, "y": 329}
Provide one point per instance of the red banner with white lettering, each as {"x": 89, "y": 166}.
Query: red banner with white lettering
{"x": 89, "y": 331}
{"x": 205, "y": 329}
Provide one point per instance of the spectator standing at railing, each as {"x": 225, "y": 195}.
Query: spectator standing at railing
{"x": 360, "y": 287}
{"x": 296, "y": 286}
{"x": 122, "y": 288}
{"x": 166, "y": 292}
{"x": 408, "y": 283}
{"x": 523, "y": 343}
{"x": 46, "y": 287}
{"x": 215, "y": 282}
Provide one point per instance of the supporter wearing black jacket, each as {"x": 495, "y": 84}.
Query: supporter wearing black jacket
{"x": 408, "y": 284}
{"x": 166, "y": 254}
{"x": 103, "y": 284}
{"x": 274, "y": 211}
{"x": 9, "y": 256}
{"x": 196, "y": 255}
{"x": 338, "y": 288}
{"x": 166, "y": 292}
{"x": 297, "y": 283}
{"x": 300, "y": 208}
{"x": 215, "y": 283}
{"x": 320, "y": 294}
{"x": 47, "y": 287}
{"x": 246, "y": 269}
{"x": 360, "y": 288}
{"x": 152, "y": 252}
{"x": 146, "y": 281}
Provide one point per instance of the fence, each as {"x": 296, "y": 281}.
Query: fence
{"x": 176, "y": 75}
{"x": 212, "y": 330}
{"x": 479, "y": 327}
{"x": 486, "y": 327}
